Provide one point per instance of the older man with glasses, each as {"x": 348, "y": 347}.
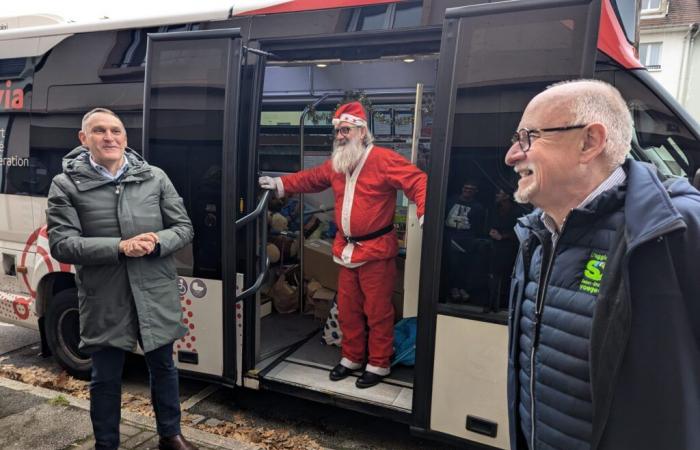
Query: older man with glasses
{"x": 605, "y": 318}
{"x": 364, "y": 179}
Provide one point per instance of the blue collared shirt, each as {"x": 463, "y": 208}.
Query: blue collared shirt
{"x": 102, "y": 170}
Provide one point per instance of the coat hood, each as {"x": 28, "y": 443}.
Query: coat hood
{"x": 76, "y": 165}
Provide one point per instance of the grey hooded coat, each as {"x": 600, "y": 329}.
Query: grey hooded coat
{"x": 119, "y": 297}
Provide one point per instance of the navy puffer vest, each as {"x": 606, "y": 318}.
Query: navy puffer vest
{"x": 562, "y": 283}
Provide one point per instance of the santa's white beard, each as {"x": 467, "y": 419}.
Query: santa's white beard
{"x": 346, "y": 156}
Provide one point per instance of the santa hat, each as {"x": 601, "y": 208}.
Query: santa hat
{"x": 352, "y": 112}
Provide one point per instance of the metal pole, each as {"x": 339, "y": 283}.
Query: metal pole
{"x": 301, "y": 198}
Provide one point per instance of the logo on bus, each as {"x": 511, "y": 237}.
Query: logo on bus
{"x": 11, "y": 97}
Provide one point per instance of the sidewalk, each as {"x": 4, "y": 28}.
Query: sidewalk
{"x": 41, "y": 419}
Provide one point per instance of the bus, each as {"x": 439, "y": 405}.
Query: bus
{"x": 218, "y": 98}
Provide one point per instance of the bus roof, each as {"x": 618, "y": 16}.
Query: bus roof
{"x": 30, "y": 32}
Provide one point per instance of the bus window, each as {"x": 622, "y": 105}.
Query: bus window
{"x": 53, "y": 136}
{"x": 20, "y": 175}
{"x": 661, "y": 136}
{"x": 479, "y": 246}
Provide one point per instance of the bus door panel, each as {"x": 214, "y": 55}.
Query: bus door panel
{"x": 493, "y": 59}
{"x": 17, "y": 237}
{"x": 190, "y": 114}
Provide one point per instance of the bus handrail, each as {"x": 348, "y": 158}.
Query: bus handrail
{"x": 264, "y": 259}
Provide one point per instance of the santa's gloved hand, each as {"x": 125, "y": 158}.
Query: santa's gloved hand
{"x": 267, "y": 183}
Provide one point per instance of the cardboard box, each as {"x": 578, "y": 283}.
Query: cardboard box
{"x": 319, "y": 264}
{"x": 323, "y": 302}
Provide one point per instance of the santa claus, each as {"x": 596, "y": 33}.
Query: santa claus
{"x": 364, "y": 178}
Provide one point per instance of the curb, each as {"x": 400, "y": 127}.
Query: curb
{"x": 131, "y": 418}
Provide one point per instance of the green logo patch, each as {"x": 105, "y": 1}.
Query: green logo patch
{"x": 593, "y": 273}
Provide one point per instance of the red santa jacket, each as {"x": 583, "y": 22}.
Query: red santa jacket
{"x": 364, "y": 201}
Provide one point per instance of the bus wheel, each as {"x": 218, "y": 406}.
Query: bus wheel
{"x": 63, "y": 334}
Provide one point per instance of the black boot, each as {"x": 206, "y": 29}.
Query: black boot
{"x": 368, "y": 379}
{"x": 339, "y": 372}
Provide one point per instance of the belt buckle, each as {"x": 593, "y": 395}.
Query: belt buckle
{"x": 349, "y": 239}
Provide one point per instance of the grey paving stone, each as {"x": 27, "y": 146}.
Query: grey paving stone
{"x": 138, "y": 439}
{"x": 129, "y": 430}
{"x": 151, "y": 444}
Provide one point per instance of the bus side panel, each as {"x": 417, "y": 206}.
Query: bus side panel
{"x": 469, "y": 378}
{"x": 16, "y": 251}
{"x": 201, "y": 310}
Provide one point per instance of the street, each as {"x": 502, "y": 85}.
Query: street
{"x": 268, "y": 419}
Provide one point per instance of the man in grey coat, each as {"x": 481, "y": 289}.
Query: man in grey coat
{"x": 119, "y": 220}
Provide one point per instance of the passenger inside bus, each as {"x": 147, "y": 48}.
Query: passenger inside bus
{"x": 464, "y": 232}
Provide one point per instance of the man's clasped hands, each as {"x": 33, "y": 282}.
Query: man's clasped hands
{"x": 140, "y": 245}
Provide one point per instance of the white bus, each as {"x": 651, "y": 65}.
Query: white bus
{"x": 217, "y": 98}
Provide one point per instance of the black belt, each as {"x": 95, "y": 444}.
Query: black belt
{"x": 367, "y": 237}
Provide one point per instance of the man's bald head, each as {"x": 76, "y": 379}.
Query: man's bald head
{"x": 593, "y": 101}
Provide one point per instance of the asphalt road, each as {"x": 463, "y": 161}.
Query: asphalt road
{"x": 12, "y": 337}
{"x": 329, "y": 426}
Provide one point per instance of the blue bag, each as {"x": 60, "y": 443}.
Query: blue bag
{"x": 405, "y": 342}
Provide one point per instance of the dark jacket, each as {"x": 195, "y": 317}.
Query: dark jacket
{"x": 119, "y": 297}
{"x": 644, "y": 348}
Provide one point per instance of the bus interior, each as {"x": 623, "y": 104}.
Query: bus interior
{"x": 291, "y": 348}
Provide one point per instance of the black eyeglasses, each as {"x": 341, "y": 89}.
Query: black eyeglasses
{"x": 524, "y": 136}
{"x": 343, "y": 130}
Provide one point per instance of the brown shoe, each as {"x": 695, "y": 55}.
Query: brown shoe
{"x": 177, "y": 442}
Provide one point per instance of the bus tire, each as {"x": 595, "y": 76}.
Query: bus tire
{"x": 63, "y": 334}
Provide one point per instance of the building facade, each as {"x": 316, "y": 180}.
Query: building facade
{"x": 669, "y": 48}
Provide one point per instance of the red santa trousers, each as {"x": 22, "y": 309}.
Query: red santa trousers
{"x": 364, "y": 301}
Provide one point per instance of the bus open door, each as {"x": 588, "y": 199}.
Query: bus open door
{"x": 494, "y": 58}
{"x": 195, "y": 83}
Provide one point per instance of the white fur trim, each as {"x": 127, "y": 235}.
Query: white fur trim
{"x": 348, "y": 199}
{"x": 280, "y": 187}
{"x": 383, "y": 371}
{"x": 349, "y": 265}
{"x": 349, "y": 119}
{"x": 349, "y": 364}
{"x": 420, "y": 221}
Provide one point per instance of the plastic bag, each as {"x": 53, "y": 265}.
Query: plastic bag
{"x": 284, "y": 291}
{"x": 331, "y": 330}
{"x": 405, "y": 342}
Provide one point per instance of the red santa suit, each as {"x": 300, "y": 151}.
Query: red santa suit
{"x": 365, "y": 202}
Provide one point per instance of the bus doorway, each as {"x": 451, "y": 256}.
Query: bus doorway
{"x": 296, "y": 341}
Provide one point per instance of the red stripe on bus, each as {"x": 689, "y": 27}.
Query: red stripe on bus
{"x": 310, "y": 5}
{"x": 47, "y": 258}
{"x": 612, "y": 39}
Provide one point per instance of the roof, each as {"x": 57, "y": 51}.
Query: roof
{"x": 33, "y": 27}
{"x": 680, "y": 12}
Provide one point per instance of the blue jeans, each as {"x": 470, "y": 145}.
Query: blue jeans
{"x": 106, "y": 388}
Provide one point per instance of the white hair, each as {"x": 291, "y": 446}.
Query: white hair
{"x": 92, "y": 112}
{"x": 369, "y": 137}
{"x": 598, "y": 101}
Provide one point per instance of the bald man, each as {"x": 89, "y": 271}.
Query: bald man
{"x": 605, "y": 315}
